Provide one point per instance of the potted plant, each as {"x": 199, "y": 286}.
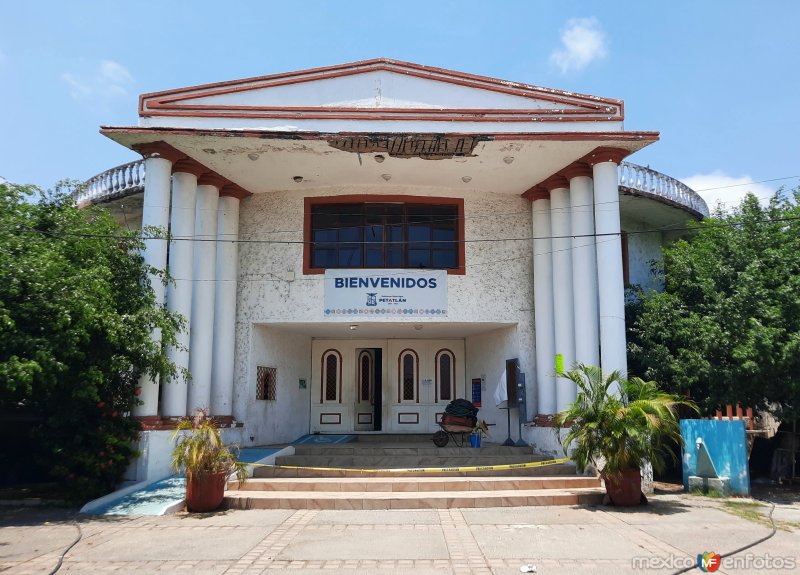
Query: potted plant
{"x": 616, "y": 425}
{"x": 206, "y": 460}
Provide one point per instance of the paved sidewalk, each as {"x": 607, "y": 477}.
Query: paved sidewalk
{"x": 671, "y": 530}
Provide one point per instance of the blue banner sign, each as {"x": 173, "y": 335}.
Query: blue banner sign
{"x": 378, "y": 294}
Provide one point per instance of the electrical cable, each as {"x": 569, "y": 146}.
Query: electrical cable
{"x": 401, "y": 242}
{"x": 743, "y": 548}
{"x": 70, "y": 546}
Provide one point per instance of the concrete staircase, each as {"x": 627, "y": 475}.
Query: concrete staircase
{"x": 340, "y": 482}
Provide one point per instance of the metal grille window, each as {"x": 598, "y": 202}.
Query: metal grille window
{"x": 445, "y": 372}
{"x": 266, "y": 383}
{"x": 331, "y": 376}
{"x": 408, "y": 376}
{"x": 365, "y": 376}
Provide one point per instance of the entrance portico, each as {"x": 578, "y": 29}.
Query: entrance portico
{"x": 269, "y": 185}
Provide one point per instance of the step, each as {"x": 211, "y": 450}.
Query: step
{"x": 418, "y": 484}
{"x": 561, "y": 469}
{"x": 427, "y": 449}
{"x": 401, "y": 461}
{"x": 412, "y": 500}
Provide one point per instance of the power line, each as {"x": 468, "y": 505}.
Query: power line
{"x": 399, "y": 242}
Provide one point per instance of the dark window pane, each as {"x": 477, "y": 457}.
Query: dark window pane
{"x": 349, "y": 256}
{"x": 373, "y": 234}
{"x": 408, "y": 377}
{"x": 331, "y": 377}
{"x": 444, "y": 234}
{"x": 445, "y": 377}
{"x": 417, "y": 233}
{"x": 444, "y": 259}
{"x": 366, "y": 374}
{"x": 374, "y": 258}
{"x": 419, "y": 259}
{"x": 394, "y": 258}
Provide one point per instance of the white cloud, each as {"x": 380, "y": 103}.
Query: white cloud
{"x": 115, "y": 73}
{"x": 583, "y": 41}
{"x": 718, "y": 187}
{"x": 107, "y": 80}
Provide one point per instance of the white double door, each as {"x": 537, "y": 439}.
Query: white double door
{"x": 393, "y": 386}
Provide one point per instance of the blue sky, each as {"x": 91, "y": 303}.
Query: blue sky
{"x": 719, "y": 79}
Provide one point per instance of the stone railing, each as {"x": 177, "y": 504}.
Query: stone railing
{"x": 117, "y": 182}
{"x": 640, "y": 180}
{"x": 129, "y": 179}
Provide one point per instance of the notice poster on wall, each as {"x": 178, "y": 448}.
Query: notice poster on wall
{"x": 391, "y": 293}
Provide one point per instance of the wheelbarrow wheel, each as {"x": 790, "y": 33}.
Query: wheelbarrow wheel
{"x": 440, "y": 438}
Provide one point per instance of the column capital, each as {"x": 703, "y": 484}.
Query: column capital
{"x": 235, "y": 191}
{"x": 555, "y": 182}
{"x": 606, "y": 154}
{"x": 577, "y": 169}
{"x": 189, "y": 166}
{"x": 159, "y": 150}
{"x": 212, "y": 179}
{"x": 537, "y": 193}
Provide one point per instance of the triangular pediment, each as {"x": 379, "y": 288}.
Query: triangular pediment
{"x": 380, "y": 89}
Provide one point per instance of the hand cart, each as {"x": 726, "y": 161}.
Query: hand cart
{"x": 448, "y": 432}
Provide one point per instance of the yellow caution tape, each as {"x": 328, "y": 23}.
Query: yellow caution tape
{"x": 426, "y": 469}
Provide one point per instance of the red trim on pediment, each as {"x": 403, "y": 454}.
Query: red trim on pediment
{"x": 578, "y": 107}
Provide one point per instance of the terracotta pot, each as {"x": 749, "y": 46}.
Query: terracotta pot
{"x": 624, "y": 488}
{"x": 205, "y": 492}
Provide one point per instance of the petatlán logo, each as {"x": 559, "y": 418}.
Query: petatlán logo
{"x": 709, "y": 561}
{"x": 371, "y": 301}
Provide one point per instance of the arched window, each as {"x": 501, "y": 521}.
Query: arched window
{"x": 408, "y": 372}
{"x": 445, "y": 375}
{"x": 365, "y": 377}
{"x": 331, "y": 377}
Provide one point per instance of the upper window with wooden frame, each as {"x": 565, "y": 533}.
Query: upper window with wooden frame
{"x": 380, "y": 232}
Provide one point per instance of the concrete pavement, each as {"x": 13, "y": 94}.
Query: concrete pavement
{"x": 660, "y": 537}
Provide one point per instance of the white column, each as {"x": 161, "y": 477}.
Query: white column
{"x": 205, "y": 258}
{"x": 610, "y": 285}
{"x": 560, "y": 216}
{"x": 155, "y": 213}
{"x": 544, "y": 319}
{"x": 225, "y": 306}
{"x": 179, "y": 290}
{"x": 584, "y": 266}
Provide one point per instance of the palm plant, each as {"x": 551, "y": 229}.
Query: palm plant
{"x": 200, "y": 451}
{"x": 617, "y": 424}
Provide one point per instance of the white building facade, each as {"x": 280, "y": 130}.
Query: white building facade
{"x": 355, "y": 246}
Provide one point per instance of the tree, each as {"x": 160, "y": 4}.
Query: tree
{"x": 76, "y": 316}
{"x": 726, "y": 328}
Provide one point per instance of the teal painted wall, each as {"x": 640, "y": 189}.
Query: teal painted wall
{"x": 727, "y": 445}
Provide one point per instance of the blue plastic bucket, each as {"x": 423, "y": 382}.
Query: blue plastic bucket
{"x": 474, "y": 440}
